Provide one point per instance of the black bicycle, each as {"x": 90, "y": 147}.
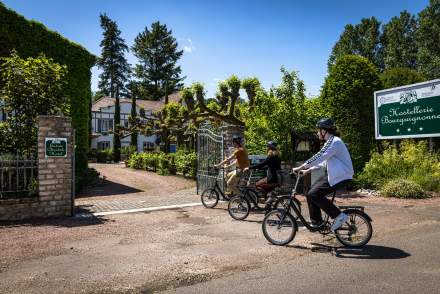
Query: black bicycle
{"x": 211, "y": 195}
{"x": 280, "y": 226}
{"x": 249, "y": 198}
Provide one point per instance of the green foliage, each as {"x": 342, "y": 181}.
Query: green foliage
{"x": 165, "y": 164}
{"x": 401, "y": 188}
{"x": 428, "y": 40}
{"x": 276, "y": 113}
{"x": 412, "y": 162}
{"x": 104, "y": 155}
{"x": 398, "y": 40}
{"x": 396, "y": 77}
{"x": 31, "y": 87}
{"x": 362, "y": 39}
{"x": 347, "y": 94}
{"x": 127, "y": 151}
{"x": 30, "y": 39}
{"x": 87, "y": 179}
{"x": 114, "y": 65}
{"x": 158, "y": 54}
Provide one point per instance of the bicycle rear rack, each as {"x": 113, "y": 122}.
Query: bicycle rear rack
{"x": 357, "y": 207}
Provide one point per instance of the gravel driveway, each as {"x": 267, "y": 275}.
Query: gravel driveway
{"x": 146, "y": 252}
{"x": 125, "y": 188}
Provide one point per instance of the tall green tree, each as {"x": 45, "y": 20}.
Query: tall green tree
{"x": 133, "y": 115}
{"x": 428, "y": 40}
{"x": 115, "y": 73}
{"x": 348, "y": 95}
{"x": 361, "y": 39}
{"x": 396, "y": 77}
{"x": 158, "y": 54}
{"x": 399, "y": 48}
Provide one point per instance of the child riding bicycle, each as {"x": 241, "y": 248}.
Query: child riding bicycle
{"x": 335, "y": 157}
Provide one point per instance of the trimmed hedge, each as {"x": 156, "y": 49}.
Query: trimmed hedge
{"x": 165, "y": 164}
{"x": 30, "y": 38}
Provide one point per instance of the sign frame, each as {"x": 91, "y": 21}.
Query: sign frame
{"x": 435, "y": 82}
{"x": 54, "y": 139}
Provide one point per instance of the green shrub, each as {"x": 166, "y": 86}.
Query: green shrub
{"x": 412, "y": 162}
{"x": 401, "y": 188}
{"x": 88, "y": 179}
{"x": 126, "y": 151}
{"x": 104, "y": 155}
{"x": 186, "y": 163}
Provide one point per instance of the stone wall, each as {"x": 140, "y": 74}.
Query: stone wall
{"x": 54, "y": 177}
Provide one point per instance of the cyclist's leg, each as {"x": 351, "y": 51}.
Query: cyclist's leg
{"x": 317, "y": 199}
{"x": 261, "y": 185}
{"x": 233, "y": 182}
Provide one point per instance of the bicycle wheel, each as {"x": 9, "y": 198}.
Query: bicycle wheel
{"x": 284, "y": 203}
{"x": 279, "y": 227}
{"x": 239, "y": 207}
{"x": 209, "y": 198}
{"x": 357, "y": 230}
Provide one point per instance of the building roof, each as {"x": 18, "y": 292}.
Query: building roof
{"x": 105, "y": 101}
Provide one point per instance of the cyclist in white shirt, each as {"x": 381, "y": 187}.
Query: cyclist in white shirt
{"x": 335, "y": 157}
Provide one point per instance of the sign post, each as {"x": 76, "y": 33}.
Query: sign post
{"x": 411, "y": 111}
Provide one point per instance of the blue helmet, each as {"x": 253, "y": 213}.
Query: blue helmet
{"x": 271, "y": 145}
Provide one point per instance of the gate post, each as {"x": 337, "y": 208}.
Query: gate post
{"x": 228, "y": 132}
{"x": 55, "y": 165}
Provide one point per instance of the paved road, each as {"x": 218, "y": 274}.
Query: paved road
{"x": 405, "y": 263}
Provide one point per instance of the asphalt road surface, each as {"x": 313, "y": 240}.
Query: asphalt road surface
{"x": 408, "y": 262}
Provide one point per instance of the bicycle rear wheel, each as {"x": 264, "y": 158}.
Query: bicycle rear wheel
{"x": 209, "y": 198}
{"x": 357, "y": 230}
{"x": 239, "y": 207}
{"x": 279, "y": 227}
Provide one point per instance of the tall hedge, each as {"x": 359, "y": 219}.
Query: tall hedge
{"x": 30, "y": 38}
{"x": 348, "y": 96}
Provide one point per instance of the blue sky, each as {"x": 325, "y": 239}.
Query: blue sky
{"x": 220, "y": 38}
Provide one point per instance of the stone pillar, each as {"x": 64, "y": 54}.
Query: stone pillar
{"x": 55, "y": 173}
{"x": 228, "y": 132}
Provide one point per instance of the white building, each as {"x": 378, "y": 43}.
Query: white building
{"x": 103, "y": 112}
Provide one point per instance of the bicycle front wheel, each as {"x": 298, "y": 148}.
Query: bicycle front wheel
{"x": 239, "y": 207}
{"x": 357, "y": 230}
{"x": 209, "y": 198}
{"x": 279, "y": 227}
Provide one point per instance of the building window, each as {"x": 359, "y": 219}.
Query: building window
{"x": 148, "y": 146}
{"x": 104, "y": 145}
{"x": 105, "y": 125}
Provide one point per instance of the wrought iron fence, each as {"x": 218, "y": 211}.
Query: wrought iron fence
{"x": 18, "y": 176}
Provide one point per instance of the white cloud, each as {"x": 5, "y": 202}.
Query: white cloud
{"x": 189, "y": 47}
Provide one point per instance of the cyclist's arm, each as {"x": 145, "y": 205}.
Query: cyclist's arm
{"x": 261, "y": 165}
{"x": 227, "y": 160}
{"x": 329, "y": 149}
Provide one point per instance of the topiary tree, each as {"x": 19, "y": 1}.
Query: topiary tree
{"x": 348, "y": 95}
{"x": 396, "y": 77}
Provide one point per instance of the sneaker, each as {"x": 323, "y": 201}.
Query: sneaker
{"x": 339, "y": 221}
{"x": 316, "y": 225}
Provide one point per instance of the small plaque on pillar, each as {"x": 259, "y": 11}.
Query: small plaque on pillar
{"x": 56, "y": 147}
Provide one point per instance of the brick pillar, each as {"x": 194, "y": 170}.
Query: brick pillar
{"x": 55, "y": 173}
{"x": 228, "y": 132}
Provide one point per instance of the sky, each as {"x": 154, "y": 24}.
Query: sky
{"x": 221, "y": 38}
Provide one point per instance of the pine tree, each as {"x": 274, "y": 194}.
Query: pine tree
{"x": 133, "y": 115}
{"x": 115, "y": 72}
{"x": 157, "y": 52}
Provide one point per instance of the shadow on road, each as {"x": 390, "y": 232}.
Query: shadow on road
{"x": 366, "y": 252}
{"x": 371, "y": 252}
{"x": 67, "y": 222}
{"x": 108, "y": 188}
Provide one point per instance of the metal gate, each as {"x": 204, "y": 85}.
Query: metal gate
{"x": 209, "y": 152}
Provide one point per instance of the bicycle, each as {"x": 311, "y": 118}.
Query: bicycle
{"x": 211, "y": 196}
{"x": 281, "y": 222}
{"x": 240, "y": 205}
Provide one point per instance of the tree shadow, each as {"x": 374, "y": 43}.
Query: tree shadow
{"x": 107, "y": 188}
{"x": 67, "y": 222}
